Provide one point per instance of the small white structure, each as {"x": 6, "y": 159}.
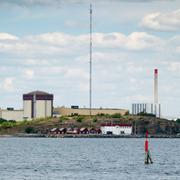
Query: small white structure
{"x": 116, "y": 129}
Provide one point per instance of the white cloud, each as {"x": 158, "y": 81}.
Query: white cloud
{"x": 84, "y": 87}
{"x": 29, "y": 73}
{"x": 162, "y": 21}
{"x": 76, "y": 73}
{"x": 143, "y": 40}
{"x": 174, "y": 67}
{"x": 7, "y": 84}
{"x": 138, "y": 98}
{"x": 133, "y": 68}
{"x": 66, "y": 44}
{"x": 54, "y": 38}
{"x": 134, "y": 41}
{"x": 6, "y": 36}
{"x": 109, "y": 40}
{"x": 37, "y": 62}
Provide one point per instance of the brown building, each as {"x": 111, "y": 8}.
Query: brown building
{"x": 75, "y": 110}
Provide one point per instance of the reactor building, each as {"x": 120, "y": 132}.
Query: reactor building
{"x": 37, "y": 104}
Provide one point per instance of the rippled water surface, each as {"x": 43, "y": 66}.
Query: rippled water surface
{"x": 87, "y": 159}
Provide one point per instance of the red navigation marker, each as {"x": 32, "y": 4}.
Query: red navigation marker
{"x": 148, "y": 158}
{"x": 146, "y": 146}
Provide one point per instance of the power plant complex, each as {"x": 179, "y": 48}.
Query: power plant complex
{"x": 39, "y": 104}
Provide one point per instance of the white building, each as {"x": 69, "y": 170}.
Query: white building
{"x": 11, "y": 114}
{"x": 37, "y": 104}
{"x": 116, "y": 129}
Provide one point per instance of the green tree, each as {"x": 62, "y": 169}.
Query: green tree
{"x": 2, "y": 120}
{"x": 63, "y": 118}
{"x": 94, "y": 120}
{"x": 178, "y": 121}
{"x": 30, "y": 130}
{"x": 116, "y": 115}
{"x": 79, "y": 118}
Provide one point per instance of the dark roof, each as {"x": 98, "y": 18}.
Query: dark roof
{"x": 38, "y": 93}
{"x": 121, "y": 125}
{"x": 83, "y": 129}
{"x": 54, "y": 129}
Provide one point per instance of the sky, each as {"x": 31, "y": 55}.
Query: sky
{"x": 44, "y": 45}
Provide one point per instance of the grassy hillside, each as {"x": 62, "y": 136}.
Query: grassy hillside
{"x": 43, "y": 126}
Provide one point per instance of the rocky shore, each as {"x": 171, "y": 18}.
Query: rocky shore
{"x": 159, "y": 128}
{"x": 24, "y": 135}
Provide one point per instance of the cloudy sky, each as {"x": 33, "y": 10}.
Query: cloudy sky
{"x": 44, "y": 45}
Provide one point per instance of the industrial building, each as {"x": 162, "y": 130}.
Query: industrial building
{"x": 146, "y": 108}
{"x": 116, "y": 129}
{"x": 149, "y": 108}
{"x": 36, "y": 104}
{"x": 11, "y": 114}
{"x": 75, "y": 110}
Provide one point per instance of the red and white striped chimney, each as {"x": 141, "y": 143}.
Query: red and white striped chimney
{"x": 155, "y": 86}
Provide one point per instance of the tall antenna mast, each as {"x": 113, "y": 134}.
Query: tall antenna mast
{"x": 90, "y": 63}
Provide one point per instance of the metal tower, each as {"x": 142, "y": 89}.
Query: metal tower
{"x": 90, "y": 63}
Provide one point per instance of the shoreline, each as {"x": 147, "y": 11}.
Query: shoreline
{"x": 86, "y": 136}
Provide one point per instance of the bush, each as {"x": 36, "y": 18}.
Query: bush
{"x": 104, "y": 115}
{"x": 2, "y": 120}
{"x": 127, "y": 113}
{"x": 101, "y": 114}
{"x": 79, "y": 118}
{"x": 24, "y": 123}
{"x": 63, "y": 118}
{"x": 94, "y": 120}
{"x": 146, "y": 114}
{"x": 107, "y": 115}
{"x": 116, "y": 115}
{"x": 7, "y": 124}
{"x": 30, "y": 130}
{"x": 12, "y": 121}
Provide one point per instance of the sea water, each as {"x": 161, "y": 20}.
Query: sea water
{"x": 88, "y": 159}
